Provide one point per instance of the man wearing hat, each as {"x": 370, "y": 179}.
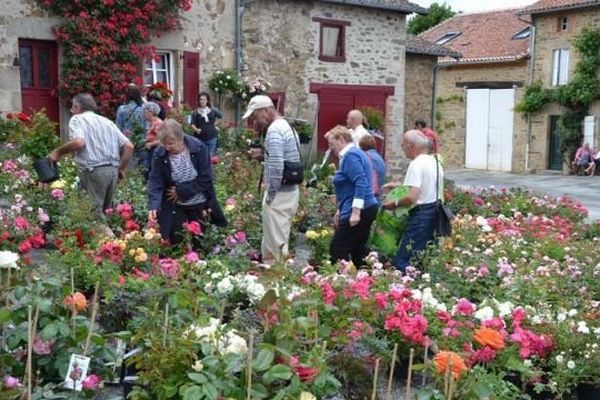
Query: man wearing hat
{"x": 280, "y": 201}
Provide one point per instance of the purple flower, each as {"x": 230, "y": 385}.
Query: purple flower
{"x": 10, "y": 382}
{"x": 42, "y": 347}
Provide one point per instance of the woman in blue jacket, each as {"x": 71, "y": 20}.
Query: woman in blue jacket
{"x": 180, "y": 186}
{"x": 356, "y": 203}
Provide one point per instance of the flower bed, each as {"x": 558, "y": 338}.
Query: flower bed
{"x": 506, "y": 307}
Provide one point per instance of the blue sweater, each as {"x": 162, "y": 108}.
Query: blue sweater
{"x": 352, "y": 183}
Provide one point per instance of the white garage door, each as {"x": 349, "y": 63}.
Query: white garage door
{"x": 490, "y": 120}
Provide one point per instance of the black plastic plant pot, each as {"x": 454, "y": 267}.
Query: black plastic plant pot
{"x": 46, "y": 170}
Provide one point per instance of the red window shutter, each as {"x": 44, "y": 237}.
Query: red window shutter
{"x": 191, "y": 78}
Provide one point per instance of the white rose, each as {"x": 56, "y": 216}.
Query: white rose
{"x": 234, "y": 344}
{"x": 561, "y": 317}
{"x": 571, "y": 364}
{"x": 505, "y": 308}
{"x": 225, "y": 286}
{"x": 307, "y": 396}
{"x": 198, "y": 366}
{"x": 527, "y": 363}
{"x": 8, "y": 259}
{"x": 481, "y": 221}
{"x": 582, "y": 327}
{"x": 559, "y": 359}
{"x": 485, "y": 313}
{"x": 572, "y": 312}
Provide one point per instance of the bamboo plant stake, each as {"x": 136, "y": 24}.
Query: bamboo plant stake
{"x": 92, "y": 320}
{"x": 425, "y": 362}
{"x": 249, "y": 371}
{"x": 73, "y": 312}
{"x": 409, "y": 377}
{"x": 29, "y": 350}
{"x": 323, "y": 349}
{"x": 375, "y": 378}
{"x": 447, "y": 377}
{"x": 166, "y": 325}
{"x": 388, "y": 395}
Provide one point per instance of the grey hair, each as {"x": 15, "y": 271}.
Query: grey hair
{"x": 417, "y": 138}
{"x": 86, "y": 102}
{"x": 170, "y": 129}
{"x": 152, "y": 107}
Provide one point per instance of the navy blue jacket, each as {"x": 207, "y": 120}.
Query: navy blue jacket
{"x": 160, "y": 179}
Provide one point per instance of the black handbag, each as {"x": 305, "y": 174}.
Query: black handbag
{"x": 443, "y": 219}
{"x": 293, "y": 171}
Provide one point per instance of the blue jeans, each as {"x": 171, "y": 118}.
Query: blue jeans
{"x": 212, "y": 146}
{"x": 419, "y": 232}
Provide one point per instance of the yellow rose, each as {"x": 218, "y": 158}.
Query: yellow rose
{"x": 141, "y": 257}
{"x": 312, "y": 235}
{"x": 132, "y": 252}
{"x": 307, "y": 396}
{"x": 59, "y": 184}
{"x": 139, "y": 250}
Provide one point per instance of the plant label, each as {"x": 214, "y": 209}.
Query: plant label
{"x": 77, "y": 372}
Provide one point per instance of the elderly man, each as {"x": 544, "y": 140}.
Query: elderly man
{"x": 96, "y": 143}
{"x": 280, "y": 201}
{"x": 354, "y": 121}
{"x": 424, "y": 179}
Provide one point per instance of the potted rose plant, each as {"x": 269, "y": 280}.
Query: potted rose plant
{"x": 37, "y": 140}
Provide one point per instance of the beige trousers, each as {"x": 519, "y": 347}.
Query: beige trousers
{"x": 277, "y": 223}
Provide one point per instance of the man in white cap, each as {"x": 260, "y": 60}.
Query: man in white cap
{"x": 280, "y": 201}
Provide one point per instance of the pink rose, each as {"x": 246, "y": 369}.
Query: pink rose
{"x": 57, "y": 194}
{"x": 191, "y": 257}
{"x": 10, "y": 382}
{"x": 91, "y": 382}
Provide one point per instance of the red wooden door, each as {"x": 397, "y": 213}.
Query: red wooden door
{"x": 39, "y": 77}
{"x": 191, "y": 78}
{"x": 333, "y": 109}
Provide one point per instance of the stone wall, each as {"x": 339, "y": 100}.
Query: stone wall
{"x": 451, "y": 111}
{"x": 285, "y": 51}
{"x": 549, "y": 38}
{"x": 418, "y": 88}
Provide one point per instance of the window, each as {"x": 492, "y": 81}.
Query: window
{"x": 563, "y": 23}
{"x": 447, "y": 37}
{"x": 560, "y": 68}
{"x": 159, "y": 69}
{"x": 332, "y": 40}
{"x": 524, "y": 34}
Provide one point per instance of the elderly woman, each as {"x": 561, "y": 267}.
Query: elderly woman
{"x": 356, "y": 202}
{"x": 151, "y": 111}
{"x": 180, "y": 185}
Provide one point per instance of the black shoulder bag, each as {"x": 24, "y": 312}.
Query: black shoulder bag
{"x": 443, "y": 221}
{"x": 293, "y": 172}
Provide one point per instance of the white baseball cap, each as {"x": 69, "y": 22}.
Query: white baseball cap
{"x": 257, "y": 103}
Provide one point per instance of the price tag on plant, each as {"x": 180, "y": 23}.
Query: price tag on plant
{"x": 77, "y": 372}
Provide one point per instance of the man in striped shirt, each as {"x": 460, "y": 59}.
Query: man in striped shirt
{"x": 96, "y": 143}
{"x": 281, "y": 200}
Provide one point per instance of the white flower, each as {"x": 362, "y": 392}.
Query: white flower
{"x": 571, "y": 364}
{"x": 561, "y": 317}
{"x": 572, "y": 312}
{"x": 505, "y": 308}
{"x": 426, "y": 277}
{"x": 205, "y": 333}
{"x": 198, "y": 366}
{"x": 233, "y": 343}
{"x": 559, "y": 359}
{"x": 8, "y": 259}
{"x": 486, "y": 228}
{"x": 582, "y": 327}
{"x": 225, "y": 286}
{"x": 527, "y": 363}
{"x": 307, "y": 396}
{"x": 481, "y": 221}
{"x": 485, "y": 313}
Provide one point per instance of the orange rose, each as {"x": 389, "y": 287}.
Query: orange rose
{"x": 489, "y": 337}
{"x": 76, "y": 302}
{"x": 443, "y": 358}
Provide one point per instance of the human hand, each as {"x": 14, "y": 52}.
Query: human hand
{"x": 172, "y": 194}
{"x": 354, "y": 218}
{"x": 152, "y": 216}
{"x": 389, "y": 205}
{"x": 390, "y": 185}
{"x": 121, "y": 174}
{"x": 336, "y": 219}
{"x": 54, "y": 156}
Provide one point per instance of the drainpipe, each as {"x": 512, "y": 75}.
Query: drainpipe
{"x": 433, "y": 95}
{"x": 531, "y": 77}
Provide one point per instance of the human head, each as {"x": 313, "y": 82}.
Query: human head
{"x": 420, "y": 124}
{"x": 338, "y": 138}
{"x": 83, "y": 102}
{"x": 263, "y": 111}
{"x": 170, "y": 135}
{"x": 204, "y": 100}
{"x": 150, "y": 110}
{"x": 586, "y": 146}
{"x": 354, "y": 119}
{"x": 414, "y": 143}
{"x": 367, "y": 142}
{"x": 134, "y": 94}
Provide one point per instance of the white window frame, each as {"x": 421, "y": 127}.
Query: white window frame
{"x": 560, "y": 67}
{"x": 170, "y": 68}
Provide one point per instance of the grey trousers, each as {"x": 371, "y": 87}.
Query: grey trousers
{"x": 100, "y": 184}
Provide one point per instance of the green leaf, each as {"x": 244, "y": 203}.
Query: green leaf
{"x": 259, "y": 391}
{"x": 198, "y": 378}
{"x": 263, "y": 360}
{"x": 193, "y": 393}
{"x": 5, "y": 315}
{"x": 482, "y": 390}
{"x": 277, "y": 372}
{"x": 170, "y": 391}
{"x": 49, "y": 332}
{"x": 210, "y": 391}
{"x": 210, "y": 361}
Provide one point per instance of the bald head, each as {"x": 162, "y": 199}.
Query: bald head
{"x": 354, "y": 119}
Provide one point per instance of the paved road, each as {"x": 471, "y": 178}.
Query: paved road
{"x": 583, "y": 188}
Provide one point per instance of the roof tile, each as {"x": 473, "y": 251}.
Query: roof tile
{"x": 484, "y": 36}
{"x": 403, "y": 6}
{"x": 545, "y": 6}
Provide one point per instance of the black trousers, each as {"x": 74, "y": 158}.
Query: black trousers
{"x": 185, "y": 214}
{"x": 350, "y": 243}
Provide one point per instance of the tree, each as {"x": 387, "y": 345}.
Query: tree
{"x": 437, "y": 14}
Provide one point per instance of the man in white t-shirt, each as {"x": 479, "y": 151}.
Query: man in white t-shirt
{"x": 354, "y": 120}
{"x": 424, "y": 179}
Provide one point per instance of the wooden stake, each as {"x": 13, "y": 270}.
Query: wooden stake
{"x": 29, "y": 351}
{"x": 447, "y": 377}
{"x": 249, "y": 370}
{"x": 388, "y": 395}
{"x": 409, "y": 377}
{"x": 166, "y": 325}
{"x": 73, "y": 312}
{"x": 72, "y": 281}
{"x": 375, "y": 378}
{"x": 425, "y": 362}
{"x": 451, "y": 388}
{"x": 92, "y": 320}
{"x": 323, "y": 349}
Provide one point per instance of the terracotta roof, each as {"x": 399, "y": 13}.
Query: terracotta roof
{"x": 547, "y": 6}
{"x": 403, "y": 6}
{"x": 417, "y": 45}
{"x": 483, "y": 37}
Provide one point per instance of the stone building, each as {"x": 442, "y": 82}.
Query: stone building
{"x": 323, "y": 58}
{"x": 420, "y": 77}
{"x": 476, "y": 94}
{"x": 555, "y": 24}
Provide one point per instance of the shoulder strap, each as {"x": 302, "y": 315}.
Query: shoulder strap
{"x": 437, "y": 178}
{"x": 296, "y": 140}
